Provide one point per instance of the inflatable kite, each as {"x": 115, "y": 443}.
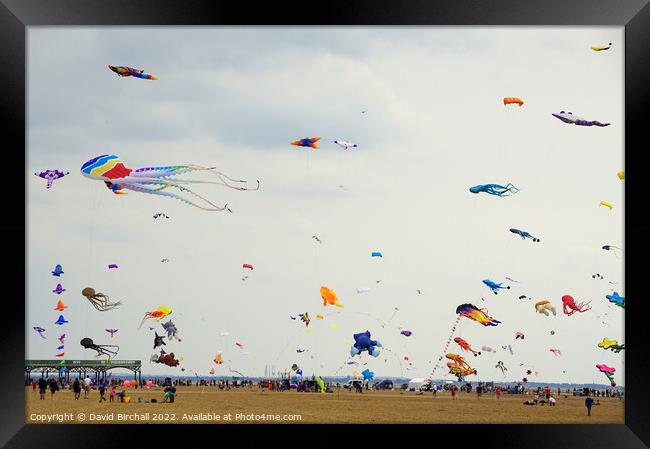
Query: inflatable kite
{"x": 569, "y": 306}
{"x": 61, "y": 321}
{"x": 621, "y": 175}
{"x": 158, "y": 314}
{"x": 608, "y": 372}
{"x": 247, "y": 265}
{"x": 60, "y": 306}
{"x": 600, "y": 48}
{"x": 611, "y": 344}
{"x": 512, "y": 100}
{"x": 112, "y": 266}
{"x": 474, "y": 313}
{"x": 367, "y": 374}
{"x": 616, "y": 299}
{"x": 494, "y": 286}
{"x": 59, "y": 289}
{"x": 158, "y": 340}
{"x": 124, "y": 71}
{"x": 296, "y": 369}
{"x": 465, "y": 346}
{"x": 345, "y": 145}
{"x": 51, "y": 176}
{"x": 87, "y": 343}
{"x": 154, "y": 180}
{"x": 544, "y": 306}
{"x": 495, "y": 189}
{"x": 524, "y": 235}
{"x": 307, "y": 142}
{"x": 40, "y": 331}
{"x": 321, "y": 384}
{"x": 459, "y": 367}
{"x": 99, "y": 301}
{"x": 362, "y": 342}
{"x": 170, "y": 328}
{"x": 329, "y": 297}
{"x": 169, "y": 360}
{"x": 568, "y": 117}
{"x": 58, "y": 271}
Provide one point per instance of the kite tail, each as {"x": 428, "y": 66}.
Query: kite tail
{"x": 338, "y": 305}
{"x": 146, "y": 315}
{"x": 144, "y": 76}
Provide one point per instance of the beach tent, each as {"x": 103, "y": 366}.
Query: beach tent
{"x": 416, "y": 384}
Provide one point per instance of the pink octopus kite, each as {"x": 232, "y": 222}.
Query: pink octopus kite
{"x": 569, "y": 305}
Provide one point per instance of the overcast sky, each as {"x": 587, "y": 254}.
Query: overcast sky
{"x": 434, "y": 126}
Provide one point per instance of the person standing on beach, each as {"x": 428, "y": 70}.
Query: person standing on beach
{"x": 497, "y": 391}
{"x": 454, "y": 392}
{"x": 76, "y": 388}
{"x": 87, "y": 383}
{"x": 54, "y": 387}
{"x": 588, "y": 403}
{"x": 479, "y": 391}
{"x": 34, "y": 385}
{"x": 102, "y": 390}
{"x": 42, "y": 387}
{"x": 112, "y": 394}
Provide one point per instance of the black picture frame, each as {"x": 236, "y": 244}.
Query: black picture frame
{"x": 634, "y": 15}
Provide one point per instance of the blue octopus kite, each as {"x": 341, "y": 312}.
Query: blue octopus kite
{"x": 362, "y": 342}
{"x": 495, "y": 189}
{"x": 494, "y": 286}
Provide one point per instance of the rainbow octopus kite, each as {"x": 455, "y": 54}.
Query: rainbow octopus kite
{"x": 611, "y": 344}
{"x": 158, "y": 314}
{"x": 51, "y": 176}
{"x": 154, "y": 180}
{"x": 569, "y": 306}
{"x": 607, "y": 371}
{"x": 495, "y": 189}
{"x": 568, "y": 117}
{"x": 479, "y": 315}
{"x": 124, "y": 71}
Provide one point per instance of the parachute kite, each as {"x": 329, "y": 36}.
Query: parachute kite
{"x": 608, "y": 372}
{"x": 474, "y": 313}
{"x": 329, "y": 297}
{"x": 465, "y": 346}
{"x": 154, "y": 180}
{"x": 406, "y": 333}
{"x": 59, "y": 289}
{"x": 51, "y": 176}
{"x": 124, "y": 71}
{"x": 544, "y": 306}
{"x": 99, "y": 301}
{"x": 569, "y": 306}
{"x": 494, "y": 286}
{"x": 616, "y": 299}
{"x": 158, "y": 314}
{"x": 524, "y": 235}
{"x": 108, "y": 350}
{"x": 61, "y": 321}
{"x": 40, "y": 331}
{"x": 611, "y": 344}
{"x": 600, "y": 48}
{"x": 519, "y": 335}
{"x": 376, "y": 254}
{"x": 512, "y": 100}
{"x": 307, "y": 142}
{"x": 568, "y": 117}
{"x": 345, "y": 145}
{"x": 362, "y": 342}
{"x": 60, "y": 306}
{"x": 112, "y": 266}
{"x": 247, "y": 265}
{"x": 58, "y": 271}
{"x": 218, "y": 359}
{"x": 495, "y": 189}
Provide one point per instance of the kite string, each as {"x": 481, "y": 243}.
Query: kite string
{"x": 442, "y": 354}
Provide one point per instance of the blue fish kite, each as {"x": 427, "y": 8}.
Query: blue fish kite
{"x": 376, "y": 254}
{"x": 524, "y": 235}
{"x": 58, "y": 271}
{"x": 61, "y": 320}
{"x": 494, "y": 286}
{"x": 616, "y": 299}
